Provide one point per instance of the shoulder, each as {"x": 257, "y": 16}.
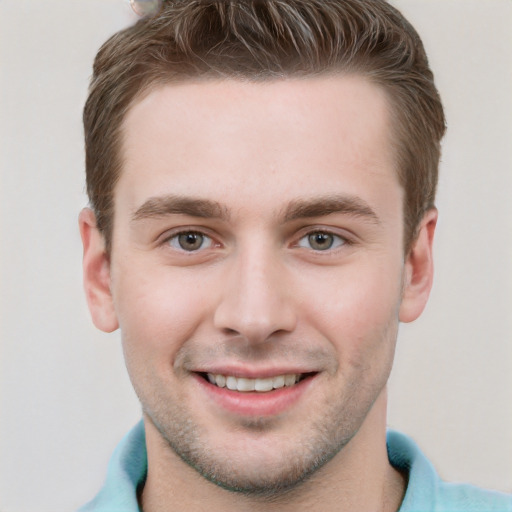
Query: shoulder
{"x": 466, "y": 497}
{"x": 426, "y": 492}
{"x": 126, "y": 473}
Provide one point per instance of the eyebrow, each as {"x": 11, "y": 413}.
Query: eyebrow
{"x": 297, "y": 209}
{"x": 327, "y": 205}
{"x": 176, "y": 205}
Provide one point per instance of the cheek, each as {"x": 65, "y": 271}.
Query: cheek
{"x": 358, "y": 314}
{"x": 156, "y": 317}
{"x": 158, "y": 313}
{"x": 358, "y": 301}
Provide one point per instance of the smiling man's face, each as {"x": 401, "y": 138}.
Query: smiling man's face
{"x": 257, "y": 272}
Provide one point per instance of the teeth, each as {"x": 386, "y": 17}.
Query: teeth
{"x": 231, "y": 383}
{"x": 261, "y": 385}
{"x": 278, "y": 382}
{"x": 245, "y": 384}
{"x": 289, "y": 380}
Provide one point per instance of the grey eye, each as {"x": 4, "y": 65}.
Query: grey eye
{"x": 190, "y": 241}
{"x": 321, "y": 241}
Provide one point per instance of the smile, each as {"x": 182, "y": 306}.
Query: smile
{"x": 244, "y": 384}
{"x": 260, "y": 396}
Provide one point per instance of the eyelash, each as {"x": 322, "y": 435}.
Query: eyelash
{"x": 338, "y": 241}
{"x": 188, "y": 232}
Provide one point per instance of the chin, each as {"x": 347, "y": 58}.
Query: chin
{"x": 255, "y": 460}
{"x": 251, "y": 477}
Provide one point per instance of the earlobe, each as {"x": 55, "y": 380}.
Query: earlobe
{"x": 96, "y": 273}
{"x": 419, "y": 270}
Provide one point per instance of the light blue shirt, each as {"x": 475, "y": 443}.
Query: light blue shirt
{"x": 425, "y": 490}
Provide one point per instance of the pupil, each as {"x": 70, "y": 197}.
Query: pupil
{"x": 190, "y": 241}
{"x": 321, "y": 241}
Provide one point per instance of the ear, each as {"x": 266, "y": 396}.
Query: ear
{"x": 96, "y": 277}
{"x": 419, "y": 270}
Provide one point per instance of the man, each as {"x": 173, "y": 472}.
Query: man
{"x": 262, "y": 178}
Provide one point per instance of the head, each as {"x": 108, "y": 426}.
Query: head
{"x": 256, "y": 169}
{"x": 264, "y": 41}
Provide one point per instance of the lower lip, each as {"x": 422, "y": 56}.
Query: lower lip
{"x": 255, "y": 403}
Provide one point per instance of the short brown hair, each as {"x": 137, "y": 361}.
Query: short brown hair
{"x": 267, "y": 40}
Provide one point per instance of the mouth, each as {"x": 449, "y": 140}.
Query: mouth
{"x": 263, "y": 395}
{"x": 258, "y": 385}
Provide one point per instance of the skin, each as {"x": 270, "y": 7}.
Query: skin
{"x": 289, "y": 191}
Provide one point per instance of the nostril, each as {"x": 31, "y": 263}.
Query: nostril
{"x": 230, "y": 332}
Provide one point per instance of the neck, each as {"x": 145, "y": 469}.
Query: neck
{"x": 359, "y": 477}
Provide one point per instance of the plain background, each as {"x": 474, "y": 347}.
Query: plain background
{"x": 65, "y": 399}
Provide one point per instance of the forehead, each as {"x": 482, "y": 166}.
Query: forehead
{"x": 303, "y": 136}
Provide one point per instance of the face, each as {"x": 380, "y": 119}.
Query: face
{"x": 257, "y": 271}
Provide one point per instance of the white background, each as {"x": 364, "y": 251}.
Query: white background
{"x": 65, "y": 400}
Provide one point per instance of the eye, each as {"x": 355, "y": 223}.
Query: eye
{"x": 190, "y": 241}
{"x": 321, "y": 241}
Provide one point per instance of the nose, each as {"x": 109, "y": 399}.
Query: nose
{"x": 256, "y": 300}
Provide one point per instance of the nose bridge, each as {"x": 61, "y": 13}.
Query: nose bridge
{"x": 255, "y": 302}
